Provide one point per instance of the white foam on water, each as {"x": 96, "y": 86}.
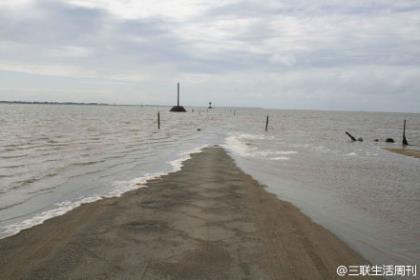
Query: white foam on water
{"x": 184, "y": 156}
{"x": 280, "y": 158}
{"x": 286, "y": 152}
{"x": 60, "y": 209}
{"x": 255, "y": 136}
{"x": 234, "y": 144}
{"x": 119, "y": 188}
{"x": 237, "y": 145}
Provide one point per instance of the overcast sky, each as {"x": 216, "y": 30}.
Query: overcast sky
{"x": 292, "y": 54}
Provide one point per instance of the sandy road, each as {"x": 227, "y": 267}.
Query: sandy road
{"x": 208, "y": 221}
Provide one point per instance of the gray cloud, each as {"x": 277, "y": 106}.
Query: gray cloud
{"x": 291, "y": 54}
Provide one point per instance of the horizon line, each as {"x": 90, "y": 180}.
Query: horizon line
{"x": 75, "y": 103}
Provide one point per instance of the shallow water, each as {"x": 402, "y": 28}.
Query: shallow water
{"x": 55, "y": 157}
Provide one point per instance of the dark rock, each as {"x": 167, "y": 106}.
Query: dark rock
{"x": 178, "y": 109}
{"x": 360, "y": 139}
{"x": 389, "y": 140}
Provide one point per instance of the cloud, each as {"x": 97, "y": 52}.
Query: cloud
{"x": 133, "y": 9}
{"x": 294, "y": 54}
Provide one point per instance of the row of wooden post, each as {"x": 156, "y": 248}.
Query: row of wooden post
{"x": 234, "y": 113}
{"x": 388, "y": 140}
{"x": 404, "y": 140}
{"x": 266, "y": 124}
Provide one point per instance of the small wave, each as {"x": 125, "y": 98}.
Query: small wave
{"x": 280, "y": 158}
{"x": 27, "y": 181}
{"x": 43, "y": 138}
{"x": 158, "y": 138}
{"x": 255, "y": 136}
{"x": 245, "y": 149}
{"x": 16, "y": 156}
{"x": 87, "y": 162}
{"x": 352, "y": 154}
{"x": 121, "y": 187}
{"x": 323, "y": 149}
{"x": 286, "y": 152}
{"x": 60, "y": 209}
{"x": 234, "y": 144}
{"x": 178, "y": 163}
{"x": 52, "y": 160}
{"x": 12, "y": 146}
{"x": 12, "y": 205}
{"x": 13, "y": 166}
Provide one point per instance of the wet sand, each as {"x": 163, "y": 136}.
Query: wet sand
{"x": 208, "y": 221}
{"x": 406, "y": 152}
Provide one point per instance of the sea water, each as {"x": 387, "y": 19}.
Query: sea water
{"x": 54, "y": 158}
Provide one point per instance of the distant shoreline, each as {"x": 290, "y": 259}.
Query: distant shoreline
{"x": 53, "y": 103}
{"x": 200, "y": 106}
{"x": 75, "y": 103}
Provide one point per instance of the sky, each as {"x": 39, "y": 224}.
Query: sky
{"x": 359, "y": 55}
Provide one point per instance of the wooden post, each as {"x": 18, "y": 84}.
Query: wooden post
{"x": 404, "y": 141}
{"x": 266, "y": 124}
{"x": 158, "y": 120}
{"x": 351, "y": 136}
